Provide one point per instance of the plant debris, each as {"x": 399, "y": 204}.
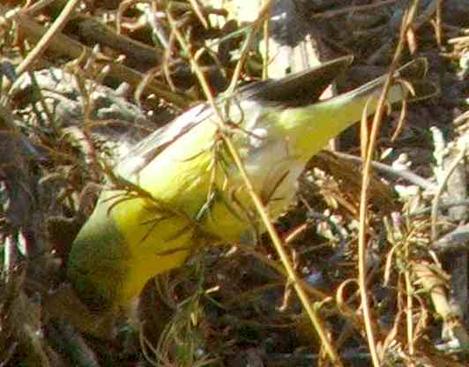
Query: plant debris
{"x": 115, "y": 71}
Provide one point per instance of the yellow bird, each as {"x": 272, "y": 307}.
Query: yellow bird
{"x": 179, "y": 188}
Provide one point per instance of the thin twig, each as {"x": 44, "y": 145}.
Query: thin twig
{"x": 37, "y": 6}
{"x": 409, "y": 304}
{"x": 263, "y": 12}
{"x": 405, "y": 174}
{"x": 199, "y": 13}
{"x": 63, "y": 45}
{"x": 46, "y": 39}
{"x": 266, "y": 58}
{"x": 439, "y": 30}
{"x": 362, "y": 250}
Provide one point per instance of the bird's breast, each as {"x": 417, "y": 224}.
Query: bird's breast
{"x": 274, "y": 172}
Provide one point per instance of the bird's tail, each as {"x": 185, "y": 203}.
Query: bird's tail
{"x": 413, "y": 70}
{"x": 315, "y": 124}
{"x": 407, "y": 84}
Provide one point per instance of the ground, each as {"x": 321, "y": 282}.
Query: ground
{"x": 116, "y": 72}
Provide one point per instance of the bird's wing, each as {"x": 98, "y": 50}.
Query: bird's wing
{"x": 147, "y": 149}
{"x": 297, "y": 89}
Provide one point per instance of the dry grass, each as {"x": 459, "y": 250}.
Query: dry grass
{"x": 233, "y": 305}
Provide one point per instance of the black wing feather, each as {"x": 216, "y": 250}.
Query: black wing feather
{"x": 302, "y": 88}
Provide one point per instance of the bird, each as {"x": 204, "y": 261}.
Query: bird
{"x": 179, "y": 189}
